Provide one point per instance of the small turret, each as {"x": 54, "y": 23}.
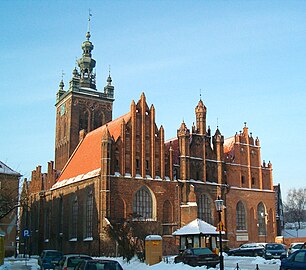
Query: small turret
{"x": 60, "y": 91}
{"x": 200, "y": 112}
{"x": 109, "y": 89}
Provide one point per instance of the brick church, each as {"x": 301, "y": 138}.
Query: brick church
{"x": 107, "y": 171}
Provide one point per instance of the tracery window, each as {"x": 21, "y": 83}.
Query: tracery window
{"x": 204, "y": 208}
{"x": 240, "y": 217}
{"x": 89, "y": 214}
{"x": 143, "y": 204}
{"x": 74, "y": 223}
{"x": 261, "y": 218}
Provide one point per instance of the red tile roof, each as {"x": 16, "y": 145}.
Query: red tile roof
{"x": 228, "y": 145}
{"x": 87, "y": 156}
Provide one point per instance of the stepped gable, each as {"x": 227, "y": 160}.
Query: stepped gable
{"x": 175, "y": 147}
{"x": 87, "y": 156}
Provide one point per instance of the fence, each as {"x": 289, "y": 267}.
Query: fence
{"x": 170, "y": 260}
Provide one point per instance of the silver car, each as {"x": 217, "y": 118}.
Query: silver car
{"x": 69, "y": 261}
{"x": 294, "y": 247}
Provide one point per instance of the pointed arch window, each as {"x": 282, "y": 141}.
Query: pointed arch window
{"x": 89, "y": 215}
{"x": 261, "y": 218}
{"x": 240, "y": 217}
{"x": 204, "y": 209}
{"x": 61, "y": 216}
{"x": 143, "y": 204}
{"x": 47, "y": 222}
{"x": 74, "y": 218}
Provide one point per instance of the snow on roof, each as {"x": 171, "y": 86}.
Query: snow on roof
{"x": 75, "y": 179}
{"x": 7, "y": 170}
{"x": 197, "y": 226}
{"x": 153, "y": 237}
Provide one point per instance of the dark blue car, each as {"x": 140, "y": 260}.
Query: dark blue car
{"x": 49, "y": 258}
{"x": 296, "y": 261}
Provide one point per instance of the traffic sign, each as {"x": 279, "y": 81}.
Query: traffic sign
{"x": 220, "y": 227}
{"x": 26, "y": 233}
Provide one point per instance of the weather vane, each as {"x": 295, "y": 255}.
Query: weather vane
{"x": 63, "y": 73}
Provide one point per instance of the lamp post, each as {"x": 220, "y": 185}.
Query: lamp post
{"x": 219, "y": 207}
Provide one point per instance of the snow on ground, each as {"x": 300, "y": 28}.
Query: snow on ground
{"x": 245, "y": 263}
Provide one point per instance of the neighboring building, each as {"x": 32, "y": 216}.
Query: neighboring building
{"x": 279, "y": 210}
{"x": 114, "y": 170}
{"x": 9, "y": 190}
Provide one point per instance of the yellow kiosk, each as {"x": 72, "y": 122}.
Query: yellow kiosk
{"x": 154, "y": 249}
{"x": 1, "y": 249}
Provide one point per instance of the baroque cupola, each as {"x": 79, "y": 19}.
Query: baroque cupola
{"x": 87, "y": 64}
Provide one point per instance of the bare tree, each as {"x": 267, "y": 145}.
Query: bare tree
{"x": 8, "y": 201}
{"x": 295, "y": 206}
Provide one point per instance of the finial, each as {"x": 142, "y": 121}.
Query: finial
{"x": 89, "y": 15}
{"x": 245, "y": 124}
{"x": 109, "y": 69}
{"x": 217, "y": 122}
{"x": 200, "y": 94}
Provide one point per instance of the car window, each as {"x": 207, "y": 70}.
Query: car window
{"x": 274, "y": 247}
{"x": 297, "y": 246}
{"x": 73, "y": 261}
{"x": 187, "y": 252}
{"x": 299, "y": 257}
{"x": 108, "y": 266}
{"x": 202, "y": 251}
{"x": 53, "y": 254}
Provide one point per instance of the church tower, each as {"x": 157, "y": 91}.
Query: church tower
{"x": 82, "y": 108}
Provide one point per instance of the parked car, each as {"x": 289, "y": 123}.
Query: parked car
{"x": 70, "y": 261}
{"x": 295, "y": 261}
{"x": 275, "y": 251}
{"x": 98, "y": 264}
{"x": 248, "y": 249}
{"x": 198, "y": 257}
{"x": 49, "y": 258}
{"x": 295, "y": 246}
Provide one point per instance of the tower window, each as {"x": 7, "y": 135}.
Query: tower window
{"x": 242, "y": 179}
{"x": 147, "y": 164}
{"x": 253, "y": 180}
{"x": 137, "y": 163}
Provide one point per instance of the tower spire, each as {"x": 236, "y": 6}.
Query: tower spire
{"x": 88, "y": 29}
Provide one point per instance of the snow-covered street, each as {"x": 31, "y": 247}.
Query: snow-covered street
{"x": 245, "y": 263}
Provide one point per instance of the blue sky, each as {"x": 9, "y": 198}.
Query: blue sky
{"x": 247, "y": 57}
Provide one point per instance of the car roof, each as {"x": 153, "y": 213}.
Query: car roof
{"x": 76, "y": 255}
{"x": 101, "y": 260}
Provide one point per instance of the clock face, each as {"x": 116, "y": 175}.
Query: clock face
{"x": 63, "y": 108}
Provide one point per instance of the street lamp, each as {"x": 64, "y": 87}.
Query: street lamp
{"x": 219, "y": 207}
